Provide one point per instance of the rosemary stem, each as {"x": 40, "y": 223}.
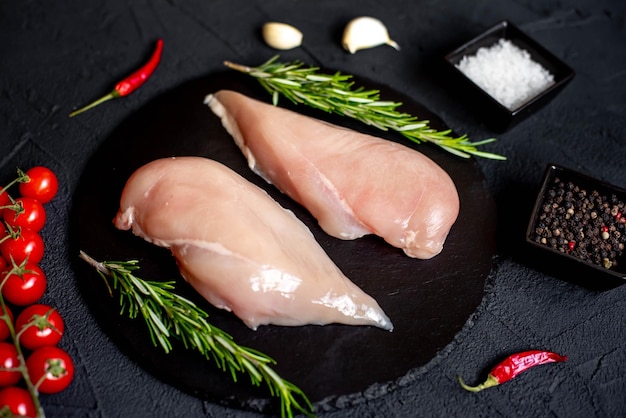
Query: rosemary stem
{"x": 238, "y": 67}
{"x": 94, "y": 263}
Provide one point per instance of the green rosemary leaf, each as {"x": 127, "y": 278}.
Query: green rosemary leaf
{"x": 137, "y": 284}
{"x": 337, "y": 94}
{"x": 284, "y": 81}
{"x": 324, "y": 79}
{"x": 412, "y": 127}
{"x": 255, "y": 376}
{"x": 156, "y": 321}
{"x": 358, "y": 99}
{"x": 383, "y": 104}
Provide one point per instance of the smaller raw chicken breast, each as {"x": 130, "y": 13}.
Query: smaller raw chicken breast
{"x": 353, "y": 184}
{"x": 239, "y": 248}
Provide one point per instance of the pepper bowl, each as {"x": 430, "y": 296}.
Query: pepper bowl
{"x": 577, "y": 229}
{"x": 496, "y": 115}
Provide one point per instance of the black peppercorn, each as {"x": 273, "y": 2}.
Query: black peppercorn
{"x": 583, "y": 224}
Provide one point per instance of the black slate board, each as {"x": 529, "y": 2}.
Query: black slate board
{"x": 428, "y": 301}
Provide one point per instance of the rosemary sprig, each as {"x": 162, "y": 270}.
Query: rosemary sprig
{"x": 336, "y": 93}
{"x": 169, "y": 315}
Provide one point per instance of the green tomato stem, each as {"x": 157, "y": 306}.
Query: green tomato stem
{"x": 21, "y": 178}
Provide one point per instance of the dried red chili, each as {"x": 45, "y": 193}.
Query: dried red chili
{"x": 513, "y": 366}
{"x": 130, "y": 83}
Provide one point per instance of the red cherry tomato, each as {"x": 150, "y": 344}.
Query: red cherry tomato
{"x": 4, "y": 328}
{"x": 26, "y": 288}
{"x": 43, "y": 184}
{"x": 31, "y": 214}
{"x": 50, "y": 368}
{"x": 40, "y": 332}
{"x": 18, "y": 401}
{"x": 3, "y": 262}
{"x": 9, "y": 360}
{"x": 4, "y": 198}
{"x": 28, "y": 245}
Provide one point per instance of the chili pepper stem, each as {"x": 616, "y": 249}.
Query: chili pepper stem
{"x": 490, "y": 382}
{"x": 113, "y": 95}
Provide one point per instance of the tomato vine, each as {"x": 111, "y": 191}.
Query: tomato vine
{"x": 30, "y": 359}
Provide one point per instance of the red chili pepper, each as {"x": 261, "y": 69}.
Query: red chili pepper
{"x": 130, "y": 83}
{"x": 513, "y": 366}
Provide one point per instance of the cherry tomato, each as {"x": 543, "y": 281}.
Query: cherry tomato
{"x": 4, "y": 198}
{"x": 43, "y": 184}
{"x": 31, "y": 214}
{"x": 42, "y": 332}
{"x": 28, "y": 245}
{"x": 26, "y": 288}
{"x": 18, "y": 401}
{"x": 9, "y": 360}
{"x": 4, "y": 201}
{"x": 50, "y": 368}
{"x": 3, "y": 262}
{"x": 4, "y": 328}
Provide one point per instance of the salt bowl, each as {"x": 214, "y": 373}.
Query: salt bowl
{"x": 505, "y": 75}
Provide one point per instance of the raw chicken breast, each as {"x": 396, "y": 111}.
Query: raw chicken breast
{"x": 354, "y": 184}
{"x": 239, "y": 248}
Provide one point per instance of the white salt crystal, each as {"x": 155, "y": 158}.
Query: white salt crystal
{"x": 507, "y": 73}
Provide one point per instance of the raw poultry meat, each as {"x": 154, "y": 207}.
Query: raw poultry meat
{"x": 353, "y": 184}
{"x": 239, "y": 248}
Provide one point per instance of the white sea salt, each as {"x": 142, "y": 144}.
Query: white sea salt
{"x": 507, "y": 73}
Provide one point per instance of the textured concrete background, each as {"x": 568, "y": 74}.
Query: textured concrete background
{"x": 56, "y": 56}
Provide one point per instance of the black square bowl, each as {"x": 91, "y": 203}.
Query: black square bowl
{"x": 590, "y": 216}
{"x": 497, "y": 116}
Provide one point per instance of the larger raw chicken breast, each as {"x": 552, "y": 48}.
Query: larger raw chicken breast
{"x": 239, "y": 248}
{"x": 354, "y": 184}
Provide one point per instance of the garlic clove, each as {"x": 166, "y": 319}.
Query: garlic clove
{"x": 281, "y": 35}
{"x": 366, "y": 32}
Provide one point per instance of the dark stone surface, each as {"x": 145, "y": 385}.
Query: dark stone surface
{"x": 57, "y": 56}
